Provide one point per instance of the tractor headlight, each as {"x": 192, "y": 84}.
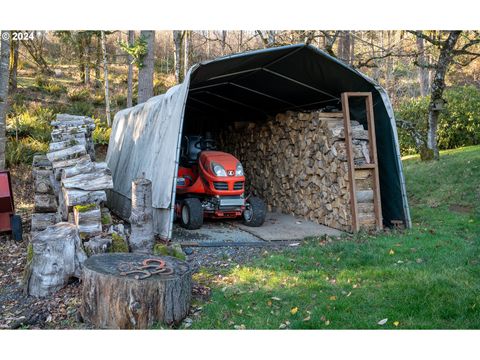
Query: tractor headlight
{"x": 218, "y": 170}
{"x": 239, "y": 170}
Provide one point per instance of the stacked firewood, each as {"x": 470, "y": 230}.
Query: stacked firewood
{"x": 297, "y": 162}
{"x": 69, "y": 185}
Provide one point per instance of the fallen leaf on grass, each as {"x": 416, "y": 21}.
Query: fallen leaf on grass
{"x": 383, "y": 321}
{"x": 276, "y": 298}
{"x": 391, "y": 252}
{"x": 396, "y": 323}
{"x": 333, "y": 298}
{"x": 350, "y": 293}
{"x": 269, "y": 302}
{"x": 294, "y": 310}
{"x": 239, "y": 327}
{"x": 307, "y": 318}
{"x": 327, "y": 322}
{"x": 282, "y": 326}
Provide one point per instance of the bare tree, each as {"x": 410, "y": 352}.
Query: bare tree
{"x": 35, "y": 48}
{"x": 145, "y": 73}
{"x": 131, "y": 39}
{"x": 13, "y": 64}
{"x": 177, "y": 40}
{"x": 4, "y": 75}
{"x": 105, "y": 76}
{"x": 446, "y": 42}
{"x": 185, "y": 55}
{"x": 423, "y": 72}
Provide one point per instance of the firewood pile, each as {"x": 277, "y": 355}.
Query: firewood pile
{"x": 70, "y": 187}
{"x": 297, "y": 163}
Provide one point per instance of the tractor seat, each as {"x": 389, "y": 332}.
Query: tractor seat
{"x": 189, "y": 152}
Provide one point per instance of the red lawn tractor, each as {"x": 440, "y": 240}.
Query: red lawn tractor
{"x": 210, "y": 184}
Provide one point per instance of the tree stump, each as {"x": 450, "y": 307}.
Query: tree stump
{"x": 142, "y": 237}
{"x": 115, "y": 301}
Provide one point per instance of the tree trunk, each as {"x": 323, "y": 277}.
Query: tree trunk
{"x": 185, "y": 55}
{"x": 131, "y": 40}
{"x": 142, "y": 237}
{"x": 145, "y": 73}
{"x": 13, "y": 65}
{"x": 4, "y": 75}
{"x": 177, "y": 40}
{"x": 87, "y": 64}
{"x": 105, "y": 78}
{"x": 98, "y": 63}
{"x": 423, "y": 75}
{"x": 114, "y": 301}
{"x": 438, "y": 86}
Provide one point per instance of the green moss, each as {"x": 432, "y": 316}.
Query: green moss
{"x": 85, "y": 208}
{"x": 160, "y": 249}
{"x": 118, "y": 244}
{"x": 29, "y": 253}
{"x": 175, "y": 250}
{"x": 106, "y": 219}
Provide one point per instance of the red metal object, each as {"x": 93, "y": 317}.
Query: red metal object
{"x": 7, "y": 208}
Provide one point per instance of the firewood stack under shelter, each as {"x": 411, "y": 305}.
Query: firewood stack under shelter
{"x": 297, "y": 162}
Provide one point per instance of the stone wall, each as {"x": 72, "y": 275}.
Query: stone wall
{"x": 297, "y": 163}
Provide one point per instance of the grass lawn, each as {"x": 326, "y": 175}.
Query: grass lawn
{"x": 423, "y": 278}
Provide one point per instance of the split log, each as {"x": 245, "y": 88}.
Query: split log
{"x": 113, "y": 301}
{"x": 100, "y": 179}
{"x": 69, "y": 162}
{"x": 88, "y": 220}
{"x": 43, "y": 181}
{"x": 45, "y": 203}
{"x": 41, "y": 162}
{"x": 73, "y": 152}
{"x": 57, "y": 257}
{"x": 64, "y": 135}
{"x": 72, "y": 197}
{"x": 83, "y": 167}
{"x": 142, "y": 238}
{"x": 61, "y": 145}
{"x": 40, "y": 221}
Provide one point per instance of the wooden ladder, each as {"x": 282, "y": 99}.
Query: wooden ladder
{"x": 360, "y": 200}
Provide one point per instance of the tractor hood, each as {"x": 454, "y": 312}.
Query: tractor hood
{"x": 228, "y": 161}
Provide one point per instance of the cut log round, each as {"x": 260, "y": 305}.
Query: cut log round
{"x": 142, "y": 238}
{"x": 115, "y": 301}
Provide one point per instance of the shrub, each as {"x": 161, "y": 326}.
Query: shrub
{"x": 101, "y": 134}
{"x": 120, "y": 100}
{"x": 22, "y": 151}
{"x": 458, "y": 124}
{"x": 81, "y": 94}
{"x": 33, "y": 121}
{"x": 55, "y": 89}
{"x": 98, "y": 99}
{"x": 81, "y": 108}
{"x": 41, "y": 81}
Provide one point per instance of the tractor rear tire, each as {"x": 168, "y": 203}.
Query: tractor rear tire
{"x": 254, "y": 214}
{"x": 191, "y": 216}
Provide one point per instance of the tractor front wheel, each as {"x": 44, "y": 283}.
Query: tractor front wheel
{"x": 255, "y": 212}
{"x": 191, "y": 216}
